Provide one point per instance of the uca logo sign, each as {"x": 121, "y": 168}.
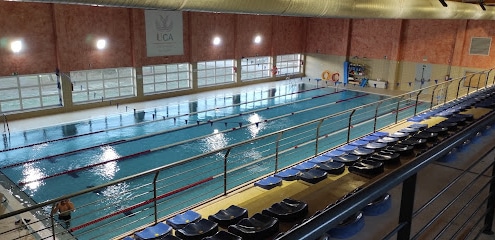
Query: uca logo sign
{"x": 164, "y": 33}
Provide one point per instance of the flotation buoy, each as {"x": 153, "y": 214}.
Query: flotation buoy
{"x": 274, "y": 70}
{"x": 336, "y": 77}
{"x": 326, "y": 75}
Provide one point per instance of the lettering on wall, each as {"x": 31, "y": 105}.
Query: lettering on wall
{"x": 163, "y": 33}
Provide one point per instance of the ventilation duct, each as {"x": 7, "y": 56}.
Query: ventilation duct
{"x": 392, "y": 9}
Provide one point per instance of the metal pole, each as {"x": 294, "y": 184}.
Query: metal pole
{"x": 406, "y": 207}
{"x": 155, "y": 195}
{"x": 376, "y": 115}
{"x": 416, "y": 104}
{"x": 432, "y": 96}
{"x": 276, "y": 150}
{"x": 446, "y": 92}
{"x": 459, "y": 86}
{"x": 397, "y": 110}
{"x": 53, "y": 221}
{"x": 225, "y": 171}
{"x": 349, "y": 126}
{"x": 487, "y": 75}
{"x": 487, "y": 228}
{"x": 469, "y": 84}
{"x": 317, "y": 136}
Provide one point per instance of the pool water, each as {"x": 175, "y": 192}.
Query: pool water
{"x": 59, "y": 160}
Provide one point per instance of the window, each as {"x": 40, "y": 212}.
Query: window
{"x": 256, "y": 68}
{"x": 289, "y": 64}
{"x": 18, "y": 93}
{"x": 480, "y": 46}
{"x": 163, "y": 78}
{"x": 101, "y": 84}
{"x": 215, "y": 72}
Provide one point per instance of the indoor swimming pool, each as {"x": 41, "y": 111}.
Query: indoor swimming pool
{"x": 63, "y": 159}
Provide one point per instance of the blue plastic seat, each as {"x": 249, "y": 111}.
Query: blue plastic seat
{"x": 334, "y": 153}
{"x": 181, "y": 220}
{"x": 153, "y": 232}
{"x": 380, "y": 134}
{"x": 320, "y": 159}
{"x": 349, "y": 227}
{"x": 304, "y": 166}
{"x": 419, "y": 126}
{"x": 268, "y": 182}
{"x": 415, "y": 119}
{"x": 347, "y": 148}
{"x": 335, "y": 168}
{"x": 370, "y": 138}
{"x": 288, "y": 174}
{"x": 359, "y": 143}
{"x": 379, "y": 206}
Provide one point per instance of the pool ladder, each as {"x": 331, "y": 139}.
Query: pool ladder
{"x": 6, "y": 128}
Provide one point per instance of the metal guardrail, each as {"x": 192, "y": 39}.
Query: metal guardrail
{"x": 299, "y": 144}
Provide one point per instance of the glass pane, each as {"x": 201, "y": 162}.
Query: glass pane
{"x": 8, "y": 82}
{"x": 184, "y": 67}
{"x": 184, "y": 75}
{"x": 94, "y": 85}
{"x": 160, "y": 69}
{"x": 210, "y": 64}
{"x": 125, "y": 82}
{"x": 48, "y": 79}
{"x": 29, "y": 103}
{"x": 94, "y": 74}
{"x": 96, "y": 95}
{"x": 28, "y": 81}
{"x": 201, "y": 65}
{"x": 78, "y": 76}
{"x": 110, "y": 73}
{"x": 11, "y": 105}
{"x": 229, "y": 63}
{"x": 126, "y": 72}
{"x": 201, "y": 74}
{"x": 50, "y": 101}
{"x": 172, "y": 85}
{"x": 148, "y": 79}
{"x": 113, "y": 83}
{"x": 127, "y": 91}
{"x": 171, "y": 68}
{"x": 184, "y": 84}
{"x": 220, "y": 71}
{"x": 79, "y": 96}
{"x": 148, "y": 88}
{"x": 9, "y": 94}
{"x": 220, "y": 64}
{"x": 201, "y": 81}
{"x": 30, "y": 92}
{"x": 111, "y": 93}
{"x": 210, "y": 72}
{"x": 160, "y": 78}
{"x": 160, "y": 87}
{"x": 147, "y": 70}
{"x": 172, "y": 77}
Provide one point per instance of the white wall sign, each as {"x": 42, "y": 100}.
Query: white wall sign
{"x": 163, "y": 33}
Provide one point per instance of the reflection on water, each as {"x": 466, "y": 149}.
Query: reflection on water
{"x": 108, "y": 170}
{"x": 32, "y": 173}
{"x": 215, "y": 141}
{"x": 257, "y": 126}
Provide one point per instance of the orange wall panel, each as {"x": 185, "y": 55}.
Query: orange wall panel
{"x": 247, "y": 28}
{"x": 32, "y": 23}
{"x": 78, "y": 28}
{"x": 327, "y": 36}
{"x": 206, "y": 26}
{"x": 477, "y": 29}
{"x": 288, "y": 35}
{"x": 432, "y": 40}
{"x": 375, "y": 38}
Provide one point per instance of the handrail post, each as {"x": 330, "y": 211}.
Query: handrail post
{"x": 225, "y": 171}
{"x": 317, "y": 136}
{"x": 432, "y": 96}
{"x": 155, "y": 195}
{"x": 459, "y": 87}
{"x": 416, "y": 103}
{"x": 469, "y": 85}
{"x": 490, "y": 205}
{"x": 407, "y": 207}
{"x": 376, "y": 115}
{"x": 276, "y": 150}
{"x": 478, "y": 83}
{"x": 487, "y": 75}
{"x": 446, "y": 92}
{"x": 397, "y": 110}
{"x": 53, "y": 222}
{"x": 349, "y": 125}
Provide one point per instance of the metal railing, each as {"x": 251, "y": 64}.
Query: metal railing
{"x": 157, "y": 193}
